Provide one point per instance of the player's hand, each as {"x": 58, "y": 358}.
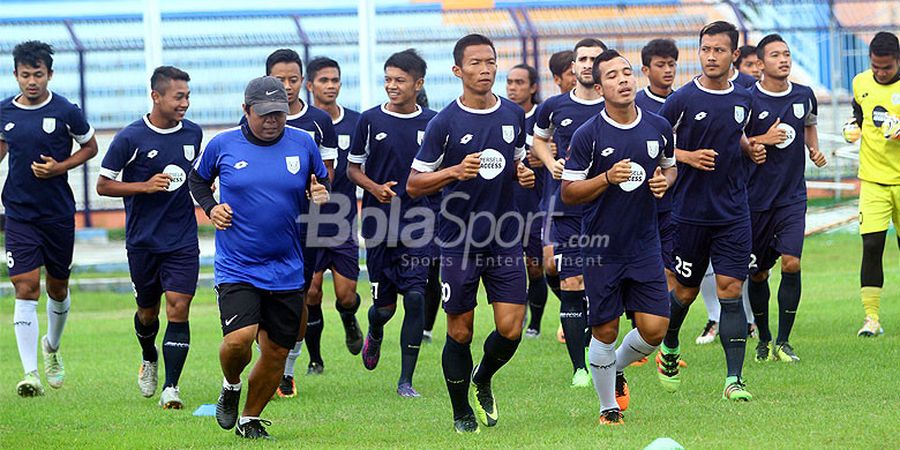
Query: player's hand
{"x": 552, "y": 148}
{"x": 817, "y": 157}
{"x": 383, "y": 192}
{"x": 704, "y": 159}
{"x": 525, "y": 176}
{"x": 221, "y": 215}
{"x": 620, "y": 172}
{"x": 469, "y": 167}
{"x": 157, "y": 183}
{"x": 774, "y": 135}
{"x": 758, "y": 153}
{"x": 658, "y": 184}
{"x": 557, "y": 169}
{"x": 850, "y": 131}
{"x": 533, "y": 161}
{"x": 317, "y": 192}
{"x": 890, "y": 127}
{"x": 48, "y": 169}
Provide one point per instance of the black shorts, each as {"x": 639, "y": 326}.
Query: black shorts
{"x": 277, "y": 312}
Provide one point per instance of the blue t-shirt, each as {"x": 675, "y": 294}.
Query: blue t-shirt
{"x": 650, "y": 102}
{"x": 344, "y": 127}
{"x": 710, "y": 119}
{"x": 558, "y": 117}
{"x": 265, "y": 185}
{"x": 472, "y": 206}
{"x": 621, "y": 223}
{"x": 742, "y": 79}
{"x": 529, "y": 200}
{"x": 780, "y": 181}
{"x": 31, "y": 131}
{"x": 387, "y": 143}
{"x": 162, "y": 221}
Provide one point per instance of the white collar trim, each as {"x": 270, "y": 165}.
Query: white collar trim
{"x": 714, "y": 91}
{"x": 158, "y": 129}
{"x": 775, "y": 94}
{"x": 582, "y": 101}
{"x": 301, "y": 113}
{"x": 653, "y": 96}
{"x": 401, "y": 115}
{"x": 340, "y": 116}
{"x": 620, "y": 126}
{"x": 531, "y": 113}
{"x": 33, "y": 107}
{"x": 479, "y": 111}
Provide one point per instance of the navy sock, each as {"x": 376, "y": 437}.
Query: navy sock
{"x": 456, "y": 361}
{"x": 537, "y": 299}
{"x": 553, "y": 284}
{"x": 678, "y": 312}
{"x": 315, "y": 324}
{"x": 788, "y": 301}
{"x": 498, "y": 350}
{"x": 432, "y": 294}
{"x": 377, "y": 318}
{"x": 347, "y": 314}
{"x": 759, "y": 302}
{"x": 574, "y": 322}
{"x": 146, "y": 336}
{"x": 176, "y": 344}
{"x": 733, "y": 334}
{"x": 411, "y": 334}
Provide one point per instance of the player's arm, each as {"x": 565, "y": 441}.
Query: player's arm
{"x": 541, "y": 146}
{"x": 4, "y": 149}
{"x": 51, "y": 167}
{"x": 110, "y": 187}
{"x": 422, "y": 182}
{"x": 200, "y": 183}
{"x": 755, "y": 151}
{"x": 772, "y": 136}
{"x": 382, "y": 192}
{"x": 579, "y": 192}
{"x": 812, "y": 144}
{"x": 329, "y": 147}
{"x": 664, "y": 176}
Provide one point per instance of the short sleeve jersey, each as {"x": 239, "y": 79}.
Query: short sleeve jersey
{"x": 742, "y": 79}
{"x": 650, "y": 102}
{"x": 529, "y": 200}
{"x": 344, "y": 127}
{"x": 879, "y": 158}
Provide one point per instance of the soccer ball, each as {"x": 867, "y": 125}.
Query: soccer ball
{"x": 850, "y": 131}
{"x": 891, "y": 127}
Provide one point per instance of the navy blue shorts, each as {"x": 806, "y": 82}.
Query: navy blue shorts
{"x": 503, "y": 276}
{"x": 635, "y": 286}
{"x": 30, "y": 245}
{"x": 667, "y": 238}
{"x": 343, "y": 259}
{"x": 727, "y": 246}
{"x": 778, "y": 231}
{"x": 310, "y": 254}
{"x": 565, "y": 231}
{"x": 154, "y": 273}
{"x": 397, "y": 270}
{"x": 532, "y": 241}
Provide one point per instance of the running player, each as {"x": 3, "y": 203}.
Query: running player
{"x": 784, "y": 119}
{"x": 744, "y": 78}
{"x": 620, "y": 163}
{"x": 38, "y": 129}
{"x": 559, "y": 117}
{"x": 153, "y": 155}
{"x": 472, "y": 150}
{"x": 388, "y": 139}
{"x": 748, "y": 63}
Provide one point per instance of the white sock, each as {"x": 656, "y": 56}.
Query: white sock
{"x": 245, "y": 419}
{"x": 292, "y": 359}
{"x": 746, "y": 296}
{"x": 603, "y": 371}
{"x": 57, "y": 313}
{"x": 632, "y": 348}
{"x": 231, "y": 387}
{"x": 25, "y": 322}
{"x": 708, "y": 291}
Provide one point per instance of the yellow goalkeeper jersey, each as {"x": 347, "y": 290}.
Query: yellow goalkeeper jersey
{"x": 879, "y": 158}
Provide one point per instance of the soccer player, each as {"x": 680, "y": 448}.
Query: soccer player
{"x": 388, "y": 139}
{"x": 784, "y": 119}
{"x": 711, "y": 214}
{"x": 265, "y": 170}
{"x": 38, "y": 128}
{"x": 342, "y": 255}
{"x": 875, "y": 103}
{"x": 742, "y": 78}
{"x": 153, "y": 155}
{"x": 560, "y": 65}
{"x": 559, "y": 117}
{"x": 433, "y": 286}
{"x": 748, "y": 63}
{"x": 522, "y": 88}
{"x": 472, "y": 150}
{"x": 620, "y": 162}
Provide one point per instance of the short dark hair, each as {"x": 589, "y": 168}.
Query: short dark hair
{"x": 321, "y": 62}
{"x": 163, "y": 75}
{"x": 663, "y": 48}
{"x": 745, "y": 51}
{"x": 884, "y": 44}
{"x": 719, "y": 27}
{"x": 608, "y": 55}
{"x": 422, "y": 98}
{"x": 560, "y": 62}
{"x": 532, "y": 80}
{"x": 761, "y": 45}
{"x": 469, "y": 41}
{"x": 283, "y": 55}
{"x": 408, "y": 61}
{"x": 32, "y": 53}
{"x": 588, "y": 42}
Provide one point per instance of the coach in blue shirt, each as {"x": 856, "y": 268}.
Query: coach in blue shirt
{"x": 265, "y": 171}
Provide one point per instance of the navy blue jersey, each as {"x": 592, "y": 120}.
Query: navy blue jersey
{"x": 499, "y": 134}
{"x": 558, "y": 117}
{"x": 265, "y": 185}
{"x": 344, "y": 127}
{"x": 650, "y": 102}
{"x": 318, "y": 125}
{"x": 598, "y": 145}
{"x": 710, "y": 119}
{"x": 742, "y": 79}
{"x": 387, "y": 143}
{"x": 46, "y": 129}
{"x": 162, "y": 221}
{"x": 529, "y": 200}
{"x": 780, "y": 181}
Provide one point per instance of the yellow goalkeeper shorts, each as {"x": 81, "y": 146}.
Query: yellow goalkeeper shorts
{"x": 878, "y": 205}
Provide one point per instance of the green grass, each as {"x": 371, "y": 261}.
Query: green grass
{"x": 839, "y": 396}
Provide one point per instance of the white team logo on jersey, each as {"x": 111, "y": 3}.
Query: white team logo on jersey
{"x": 653, "y": 149}
{"x": 189, "y": 152}
{"x": 509, "y": 133}
{"x": 152, "y": 154}
{"x": 241, "y": 164}
{"x": 380, "y": 136}
{"x": 465, "y": 139}
{"x": 700, "y": 115}
{"x": 790, "y": 134}
{"x": 739, "y": 114}
{"x": 763, "y": 115}
{"x": 420, "y": 136}
{"x": 799, "y": 110}
{"x": 607, "y": 151}
{"x": 177, "y": 175}
{"x": 492, "y": 164}
{"x": 9, "y": 126}
{"x": 344, "y": 141}
{"x": 293, "y": 164}
{"x": 565, "y": 122}
{"x": 49, "y": 124}
{"x": 638, "y": 174}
